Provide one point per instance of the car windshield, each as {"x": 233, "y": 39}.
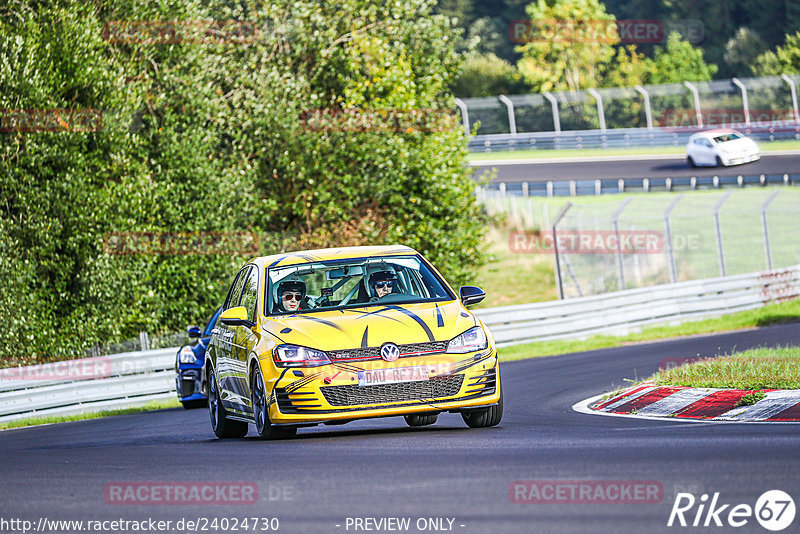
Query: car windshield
{"x": 724, "y": 138}
{"x": 356, "y": 283}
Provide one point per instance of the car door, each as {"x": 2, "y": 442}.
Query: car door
{"x": 227, "y": 352}
{"x": 245, "y": 338}
{"x": 708, "y": 152}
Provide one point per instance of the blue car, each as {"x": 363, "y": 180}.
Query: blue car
{"x": 189, "y": 363}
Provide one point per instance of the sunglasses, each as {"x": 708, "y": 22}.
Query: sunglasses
{"x": 381, "y": 285}
{"x": 292, "y": 296}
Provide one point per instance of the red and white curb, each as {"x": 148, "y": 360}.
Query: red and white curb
{"x": 707, "y": 404}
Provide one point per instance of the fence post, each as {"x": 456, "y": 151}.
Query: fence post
{"x": 673, "y": 269}
{"x": 144, "y": 340}
{"x": 720, "y": 250}
{"x": 696, "y": 95}
{"x": 512, "y": 120}
{"x": 765, "y": 228}
{"x": 600, "y": 113}
{"x": 554, "y": 228}
{"x": 554, "y": 105}
{"x": 745, "y": 104}
{"x": 620, "y": 264}
{"x": 793, "y": 87}
{"x": 464, "y": 115}
{"x": 648, "y": 113}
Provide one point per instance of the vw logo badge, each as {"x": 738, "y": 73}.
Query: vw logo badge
{"x": 390, "y": 352}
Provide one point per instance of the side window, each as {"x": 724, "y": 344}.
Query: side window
{"x": 236, "y": 290}
{"x": 250, "y": 294}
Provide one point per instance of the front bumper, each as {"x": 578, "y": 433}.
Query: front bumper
{"x": 189, "y": 384}
{"x": 331, "y": 393}
{"x": 738, "y": 160}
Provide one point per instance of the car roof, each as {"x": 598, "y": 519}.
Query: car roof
{"x": 326, "y": 254}
{"x": 718, "y": 131}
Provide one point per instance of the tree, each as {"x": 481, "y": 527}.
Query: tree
{"x": 784, "y": 60}
{"x": 487, "y": 75}
{"x": 742, "y": 50}
{"x": 215, "y": 138}
{"x": 679, "y": 61}
{"x": 570, "y": 44}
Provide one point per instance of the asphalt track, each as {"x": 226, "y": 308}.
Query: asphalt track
{"x": 381, "y": 468}
{"x": 606, "y": 168}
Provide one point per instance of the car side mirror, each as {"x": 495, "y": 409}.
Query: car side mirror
{"x": 193, "y": 332}
{"x": 236, "y": 317}
{"x": 471, "y": 295}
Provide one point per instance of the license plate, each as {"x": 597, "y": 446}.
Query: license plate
{"x": 392, "y": 376}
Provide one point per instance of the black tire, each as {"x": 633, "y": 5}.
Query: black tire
{"x": 198, "y": 403}
{"x": 485, "y": 417}
{"x": 417, "y": 419}
{"x": 719, "y": 162}
{"x": 220, "y": 424}
{"x": 258, "y": 394}
{"x": 692, "y": 164}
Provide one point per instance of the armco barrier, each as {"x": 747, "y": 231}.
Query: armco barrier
{"x": 624, "y": 311}
{"x": 136, "y": 378}
{"x": 104, "y": 383}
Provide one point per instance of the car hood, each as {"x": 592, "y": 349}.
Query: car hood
{"x": 738, "y": 145}
{"x": 372, "y": 326}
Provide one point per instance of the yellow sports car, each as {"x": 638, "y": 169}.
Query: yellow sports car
{"x": 330, "y": 336}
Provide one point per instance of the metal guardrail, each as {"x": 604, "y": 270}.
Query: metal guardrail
{"x": 576, "y": 188}
{"x": 136, "y": 378}
{"x": 617, "y": 138}
{"x": 621, "y": 312}
{"x": 765, "y": 108}
{"x": 87, "y": 385}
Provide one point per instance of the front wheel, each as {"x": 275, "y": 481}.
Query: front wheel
{"x": 485, "y": 417}
{"x": 261, "y": 412}
{"x": 220, "y": 424}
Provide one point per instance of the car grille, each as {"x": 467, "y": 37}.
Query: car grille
{"x": 371, "y": 353}
{"x": 351, "y": 395}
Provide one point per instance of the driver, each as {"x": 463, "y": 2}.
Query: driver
{"x": 381, "y": 283}
{"x": 289, "y": 293}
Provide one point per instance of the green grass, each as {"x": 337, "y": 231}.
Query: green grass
{"x": 767, "y": 315}
{"x": 576, "y": 153}
{"x": 510, "y": 278}
{"x": 33, "y": 421}
{"x": 692, "y": 226}
{"x": 749, "y": 370}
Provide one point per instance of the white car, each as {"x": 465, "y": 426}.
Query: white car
{"x": 721, "y": 147}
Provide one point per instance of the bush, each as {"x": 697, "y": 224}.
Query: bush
{"x": 210, "y": 137}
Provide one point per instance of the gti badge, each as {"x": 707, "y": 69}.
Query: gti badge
{"x": 390, "y": 352}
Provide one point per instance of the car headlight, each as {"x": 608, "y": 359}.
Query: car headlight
{"x": 187, "y": 356}
{"x": 470, "y": 341}
{"x": 296, "y": 356}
